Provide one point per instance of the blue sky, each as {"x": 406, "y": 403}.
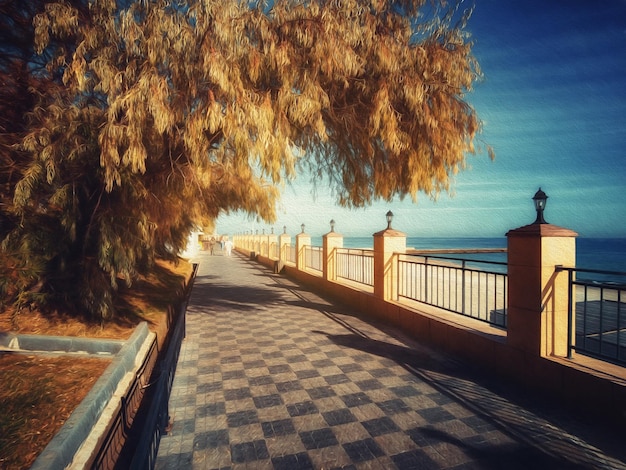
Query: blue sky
{"x": 553, "y": 104}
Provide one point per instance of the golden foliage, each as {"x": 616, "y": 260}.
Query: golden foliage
{"x": 175, "y": 112}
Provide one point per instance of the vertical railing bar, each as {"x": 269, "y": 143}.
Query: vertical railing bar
{"x": 487, "y": 307}
{"x": 619, "y": 324}
{"x": 463, "y": 272}
{"x": 435, "y": 291}
{"x": 601, "y": 320}
{"x": 444, "y": 287}
{"x": 425, "y": 284}
{"x": 495, "y": 294}
{"x": 478, "y": 296}
{"x": 585, "y": 319}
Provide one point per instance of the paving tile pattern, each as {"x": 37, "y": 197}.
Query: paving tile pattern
{"x": 271, "y": 376}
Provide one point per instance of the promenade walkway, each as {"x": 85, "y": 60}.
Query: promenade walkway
{"x": 271, "y": 376}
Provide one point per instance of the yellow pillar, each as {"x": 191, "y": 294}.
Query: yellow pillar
{"x": 386, "y": 244}
{"x": 283, "y": 241}
{"x": 272, "y": 242}
{"x": 537, "y": 293}
{"x": 330, "y": 242}
{"x": 302, "y": 241}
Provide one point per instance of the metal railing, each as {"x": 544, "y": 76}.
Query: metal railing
{"x": 456, "y": 284}
{"x": 290, "y": 253}
{"x": 313, "y": 258}
{"x": 356, "y": 265}
{"x": 597, "y": 314}
{"x": 114, "y": 447}
{"x": 156, "y": 417}
{"x": 273, "y": 250}
{"x": 135, "y": 429}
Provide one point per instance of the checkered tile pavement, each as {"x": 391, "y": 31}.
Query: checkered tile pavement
{"x": 271, "y": 376}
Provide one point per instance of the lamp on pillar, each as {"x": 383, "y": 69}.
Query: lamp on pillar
{"x": 389, "y": 216}
{"x": 285, "y": 229}
{"x": 302, "y": 227}
{"x": 332, "y": 225}
{"x": 272, "y": 230}
{"x": 540, "y": 198}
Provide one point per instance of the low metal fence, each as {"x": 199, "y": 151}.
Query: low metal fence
{"x": 597, "y": 313}
{"x": 156, "y": 411}
{"x": 456, "y": 284}
{"x": 135, "y": 430}
{"x": 313, "y": 258}
{"x": 273, "y": 250}
{"x": 115, "y": 445}
{"x": 356, "y": 265}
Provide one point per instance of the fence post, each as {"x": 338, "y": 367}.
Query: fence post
{"x": 330, "y": 242}
{"x": 537, "y": 316}
{"x": 302, "y": 241}
{"x": 386, "y": 243}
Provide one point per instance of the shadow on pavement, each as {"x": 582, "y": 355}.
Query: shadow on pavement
{"x": 537, "y": 421}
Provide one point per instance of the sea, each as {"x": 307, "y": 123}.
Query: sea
{"x": 603, "y": 254}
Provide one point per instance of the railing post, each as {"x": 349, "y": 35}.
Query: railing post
{"x": 538, "y": 292}
{"x": 570, "y": 318}
{"x": 386, "y": 244}
{"x": 302, "y": 241}
{"x": 330, "y": 243}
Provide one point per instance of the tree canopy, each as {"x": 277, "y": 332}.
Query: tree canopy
{"x": 149, "y": 118}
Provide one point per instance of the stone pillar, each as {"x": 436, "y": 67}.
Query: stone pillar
{"x": 271, "y": 241}
{"x": 283, "y": 241}
{"x": 302, "y": 241}
{"x": 386, "y": 244}
{"x": 537, "y": 293}
{"x": 330, "y": 242}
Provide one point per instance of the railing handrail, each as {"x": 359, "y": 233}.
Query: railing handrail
{"x": 355, "y": 251}
{"x": 560, "y": 267}
{"x": 428, "y": 255}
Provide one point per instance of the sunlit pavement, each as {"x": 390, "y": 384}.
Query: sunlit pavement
{"x": 272, "y": 376}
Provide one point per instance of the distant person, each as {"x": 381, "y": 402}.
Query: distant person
{"x": 212, "y": 245}
{"x": 228, "y": 244}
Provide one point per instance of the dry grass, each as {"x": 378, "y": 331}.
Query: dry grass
{"x": 38, "y": 393}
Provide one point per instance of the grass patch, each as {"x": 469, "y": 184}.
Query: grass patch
{"x": 38, "y": 394}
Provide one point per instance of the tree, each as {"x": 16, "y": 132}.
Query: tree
{"x": 172, "y": 112}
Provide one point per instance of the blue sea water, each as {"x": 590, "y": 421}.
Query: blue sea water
{"x": 605, "y": 254}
